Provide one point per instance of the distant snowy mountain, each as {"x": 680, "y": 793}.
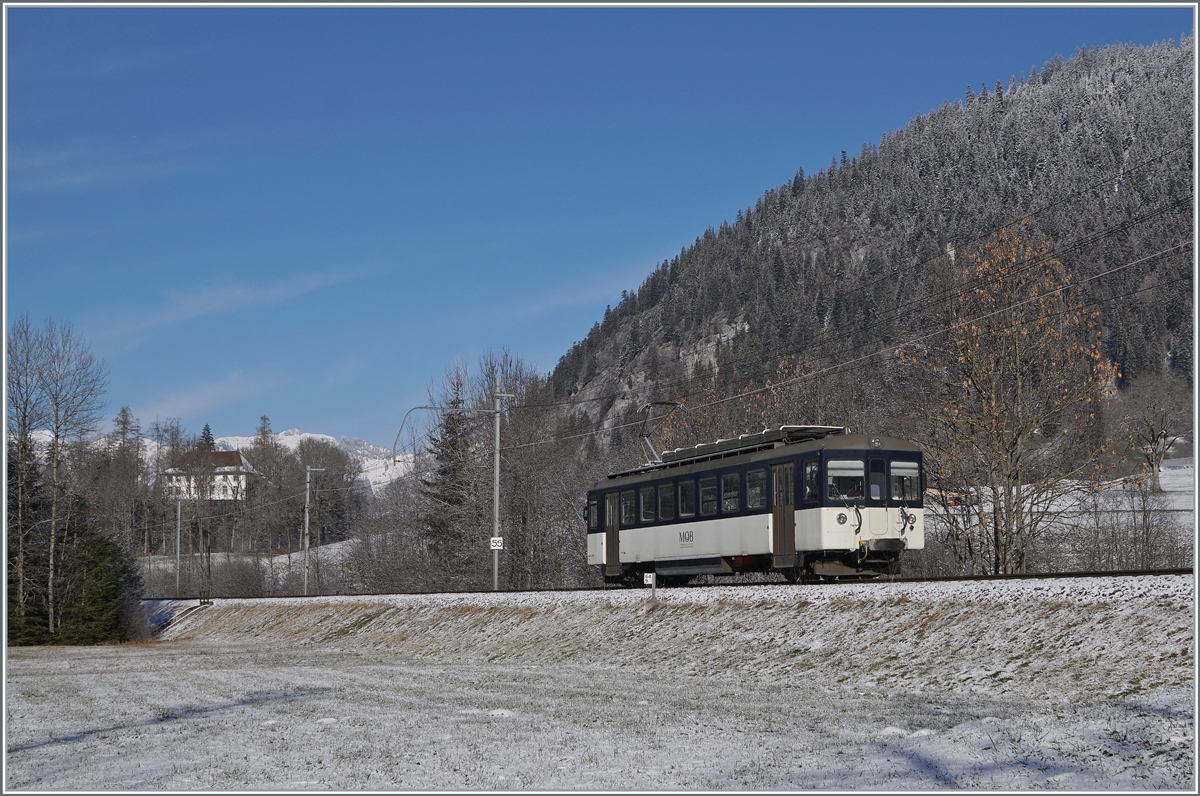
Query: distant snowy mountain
{"x": 289, "y": 439}
{"x": 363, "y": 450}
{"x": 378, "y": 468}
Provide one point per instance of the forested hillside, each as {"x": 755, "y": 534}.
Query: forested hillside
{"x": 1094, "y": 154}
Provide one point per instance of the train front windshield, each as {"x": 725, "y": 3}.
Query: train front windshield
{"x": 845, "y": 479}
{"x": 871, "y": 480}
{"x": 906, "y": 481}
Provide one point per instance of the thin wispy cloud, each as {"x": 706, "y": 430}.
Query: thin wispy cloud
{"x": 582, "y": 293}
{"x": 345, "y": 370}
{"x": 121, "y": 63}
{"x": 25, "y": 236}
{"x": 86, "y": 164}
{"x": 181, "y": 308}
{"x": 210, "y": 396}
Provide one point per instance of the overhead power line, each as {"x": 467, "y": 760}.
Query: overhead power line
{"x": 826, "y": 340}
{"x": 911, "y": 309}
{"x": 892, "y": 348}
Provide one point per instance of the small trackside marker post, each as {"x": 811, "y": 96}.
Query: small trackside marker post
{"x": 650, "y": 580}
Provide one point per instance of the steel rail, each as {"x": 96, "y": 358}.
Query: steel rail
{"x": 1033, "y": 576}
{"x": 838, "y": 581}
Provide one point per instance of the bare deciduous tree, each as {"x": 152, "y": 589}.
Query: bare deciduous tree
{"x": 1156, "y": 416}
{"x": 73, "y": 383}
{"x": 1019, "y": 381}
{"x": 26, "y": 413}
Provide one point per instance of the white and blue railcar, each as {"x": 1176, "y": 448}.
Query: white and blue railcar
{"x": 806, "y": 501}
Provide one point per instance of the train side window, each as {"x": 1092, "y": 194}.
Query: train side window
{"x": 687, "y": 498}
{"x": 845, "y": 479}
{"x": 628, "y": 510}
{"x": 708, "y": 495}
{"x": 906, "y": 481}
{"x": 647, "y": 504}
{"x": 593, "y": 514}
{"x": 666, "y": 502}
{"x": 812, "y": 481}
{"x": 756, "y": 489}
{"x": 876, "y": 479}
{"x": 731, "y": 499}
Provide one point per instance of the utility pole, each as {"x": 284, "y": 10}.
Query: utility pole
{"x": 178, "y": 517}
{"x": 308, "y": 471}
{"x": 497, "y": 542}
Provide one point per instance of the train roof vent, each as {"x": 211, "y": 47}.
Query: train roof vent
{"x": 746, "y": 443}
{"x": 767, "y": 438}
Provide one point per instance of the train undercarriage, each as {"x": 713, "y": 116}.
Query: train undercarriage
{"x": 814, "y": 567}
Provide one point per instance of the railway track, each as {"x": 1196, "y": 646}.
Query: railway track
{"x": 726, "y": 582}
{"x": 1032, "y": 576}
{"x": 848, "y": 579}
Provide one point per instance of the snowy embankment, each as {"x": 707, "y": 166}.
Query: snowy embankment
{"x": 1048, "y": 632}
{"x": 1066, "y": 683}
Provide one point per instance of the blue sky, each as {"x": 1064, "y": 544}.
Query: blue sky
{"x": 310, "y": 213}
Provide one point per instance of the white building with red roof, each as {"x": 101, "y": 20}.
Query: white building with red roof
{"x": 219, "y": 475}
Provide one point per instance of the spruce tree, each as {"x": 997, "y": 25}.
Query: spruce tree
{"x": 28, "y": 507}
{"x": 101, "y": 584}
{"x": 452, "y": 518}
{"x": 447, "y": 486}
{"x": 207, "y": 443}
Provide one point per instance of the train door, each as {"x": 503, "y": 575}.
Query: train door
{"x": 783, "y": 517}
{"x": 877, "y": 521}
{"x": 904, "y": 493}
{"x": 612, "y": 535}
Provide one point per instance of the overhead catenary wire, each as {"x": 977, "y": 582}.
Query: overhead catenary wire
{"x": 961, "y": 324}
{"x": 419, "y": 444}
{"x": 821, "y": 371}
{"x": 1120, "y": 173}
{"x": 244, "y": 509}
{"x": 931, "y": 300}
{"x": 890, "y": 348}
{"x": 1063, "y": 251}
{"x": 827, "y": 340}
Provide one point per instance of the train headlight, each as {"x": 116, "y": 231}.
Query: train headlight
{"x": 841, "y": 519}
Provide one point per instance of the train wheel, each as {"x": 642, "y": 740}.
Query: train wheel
{"x": 803, "y": 575}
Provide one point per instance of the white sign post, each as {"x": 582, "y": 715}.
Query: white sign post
{"x": 497, "y": 542}
{"x": 650, "y": 580}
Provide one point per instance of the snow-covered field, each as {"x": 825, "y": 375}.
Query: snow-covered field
{"x": 1079, "y": 684}
{"x": 1178, "y": 477}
